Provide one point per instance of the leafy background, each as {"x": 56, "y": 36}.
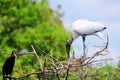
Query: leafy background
{"x": 30, "y": 22}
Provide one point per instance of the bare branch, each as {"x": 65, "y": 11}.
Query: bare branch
{"x": 99, "y": 52}
{"x": 99, "y": 60}
{"x": 56, "y": 70}
{"x": 25, "y": 53}
{"x": 67, "y": 71}
{"x": 51, "y": 56}
{"x": 35, "y": 53}
{"x": 32, "y": 73}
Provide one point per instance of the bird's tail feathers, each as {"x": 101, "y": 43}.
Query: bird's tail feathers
{"x": 101, "y": 35}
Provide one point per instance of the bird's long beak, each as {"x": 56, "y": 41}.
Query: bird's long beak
{"x": 68, "y": 49}
{"x": 15, "y": 55}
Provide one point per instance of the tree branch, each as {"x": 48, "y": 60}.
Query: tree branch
{"x": 99, "y": 52}
{"x": 67, "y": 71}
{"x": 35, "y": 53}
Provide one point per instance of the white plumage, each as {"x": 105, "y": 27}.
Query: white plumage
{"x": 84, "y": 28}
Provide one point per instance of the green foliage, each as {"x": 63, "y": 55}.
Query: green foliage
{"x": 29, "y": 22}
{"x": 25, "y": 22}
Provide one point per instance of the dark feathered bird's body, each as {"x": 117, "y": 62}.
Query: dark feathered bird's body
{"x": 8, "y": 65}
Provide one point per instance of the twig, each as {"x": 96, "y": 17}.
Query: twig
{"x": 67, "y": 71}
{"x": 51, "y": 56}
{"x": 35, "y": 53}
{"x": 56, "y": 70}
{"x": 25, "y": 53}
{"x": 98, "y": 52}
{"x": 40, "y": 72}
{"x": 99, "y": 60}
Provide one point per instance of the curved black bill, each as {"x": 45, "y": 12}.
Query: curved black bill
{"x": 68, "y": 49}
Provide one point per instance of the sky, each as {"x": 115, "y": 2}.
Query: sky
{"x": 104, "y": 11}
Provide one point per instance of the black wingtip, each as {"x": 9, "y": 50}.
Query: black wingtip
{"x": 105, "y": 27}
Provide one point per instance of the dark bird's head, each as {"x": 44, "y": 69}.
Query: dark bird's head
{"x": 68, "y": 48}
{"x": 14, "y": 54}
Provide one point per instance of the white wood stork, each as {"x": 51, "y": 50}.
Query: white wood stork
{"x": 84, "y": 28}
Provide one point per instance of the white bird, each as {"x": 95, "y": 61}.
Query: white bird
{"x": 84, "y": 28}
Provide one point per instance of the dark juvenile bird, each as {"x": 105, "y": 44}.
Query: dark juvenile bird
{"x": 84, "y": 28}
{"x": 9, "y": 64}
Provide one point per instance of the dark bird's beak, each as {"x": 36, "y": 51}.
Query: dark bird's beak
{"x": 68, "y": 48}
{"x": 14, "y": 53}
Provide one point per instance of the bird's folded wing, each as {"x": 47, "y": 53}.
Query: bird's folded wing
{"x": 87, "y": 29}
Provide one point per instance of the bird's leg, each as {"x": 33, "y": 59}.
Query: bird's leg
{"x": 84, "y": 46}
{"x": 84, "y": 56}
{"x": 68, "y": 44}
{"x": 5, "y": 76}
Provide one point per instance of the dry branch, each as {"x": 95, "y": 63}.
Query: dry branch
{"x": 32, "y": 73}
{"x": 67, "y": 70}
{"x": 99, "y": 52}
{"x": 25, "y": 53}
{"x": 49, "y": 55}
{"x": 35, "y": 53}
{"x": 55, "y": 68}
